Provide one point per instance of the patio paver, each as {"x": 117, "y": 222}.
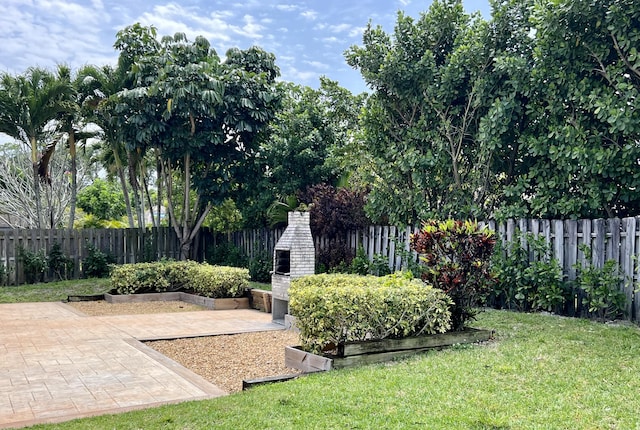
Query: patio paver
{"x": 57, "y": 364}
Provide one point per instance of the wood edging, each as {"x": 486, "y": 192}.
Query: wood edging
{"x": 207, "y": 302}
{"x": 362, "y": 353}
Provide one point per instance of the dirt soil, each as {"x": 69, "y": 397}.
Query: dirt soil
{"x": 223, "y": 360}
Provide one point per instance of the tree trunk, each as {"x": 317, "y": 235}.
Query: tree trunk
{"x": 74, "y": 178}
{"x": 36, "y": 182}
{"x": 125, "y": 189}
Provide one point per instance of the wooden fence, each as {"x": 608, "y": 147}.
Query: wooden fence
{"x": 125, "y": 245}
{"x": 611, "y": 239}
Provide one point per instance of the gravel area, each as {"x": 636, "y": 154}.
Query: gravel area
{"x": 224, "y": 360}
{"x": 228, "y": 359}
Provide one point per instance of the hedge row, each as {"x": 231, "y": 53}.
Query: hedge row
{"x": 333, "y": 309}
{"x": 159, "y": 277}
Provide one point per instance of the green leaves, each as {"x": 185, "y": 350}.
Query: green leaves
{"x": 333, "y": 309}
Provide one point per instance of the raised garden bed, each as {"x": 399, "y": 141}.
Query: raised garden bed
{"x": 209, "y": 303}
{"x": 261, "y": 300}
{"x": 378, "y": 351}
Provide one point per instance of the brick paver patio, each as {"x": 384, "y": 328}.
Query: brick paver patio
{"x": 57, "y": 364}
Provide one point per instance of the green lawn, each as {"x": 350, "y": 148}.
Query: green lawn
{"x": 541, "y": 372}
{"x": 53, "y": 291}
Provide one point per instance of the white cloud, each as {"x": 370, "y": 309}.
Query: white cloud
{"x": 317, "y": 65}
{"x": 250, "y": 29}
{"x": 311, "y": 15}
{"x": 331, "y": 39}
{"x": 357, "y": 31}
{"x": 339, "y": 28}
{"x": 287, "y": 7}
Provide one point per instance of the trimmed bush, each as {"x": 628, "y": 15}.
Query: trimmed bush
{"x": 139, "y": 278}
{"x": 333, "y": 309}
{"x": 220, "y": 281}
{"x": 159, "y": 277}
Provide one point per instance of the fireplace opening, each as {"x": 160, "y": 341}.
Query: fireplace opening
{"x": 283, "y": 262}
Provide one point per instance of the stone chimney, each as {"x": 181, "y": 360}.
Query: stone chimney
{"x": 293, "y": 257}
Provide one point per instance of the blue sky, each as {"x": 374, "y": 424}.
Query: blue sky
{"x": 307, "y": 37}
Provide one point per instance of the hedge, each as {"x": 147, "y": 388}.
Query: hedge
{"x": 331, "y": 310}
{"x": 202, "y": 279}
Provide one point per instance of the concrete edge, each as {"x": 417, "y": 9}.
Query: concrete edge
{"x": 210, "y": 390}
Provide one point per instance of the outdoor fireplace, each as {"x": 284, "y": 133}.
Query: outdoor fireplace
{"x": 293, "y": 257}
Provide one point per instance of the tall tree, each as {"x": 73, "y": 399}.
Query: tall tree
{"x": 585, "y": 143}
{"x": 28, "y": 104}
{"x": 420, "y": 126}
{"x": 306, "y": 145}
{"x": 100, "y": 85}
{"x": 203, "y": 116}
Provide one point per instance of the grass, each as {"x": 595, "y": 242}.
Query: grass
{"x": 57, "y": 291}
{"x": 260, "y": 285}
{"x": 53, "y": 291}
{"x": 541, "y": 372}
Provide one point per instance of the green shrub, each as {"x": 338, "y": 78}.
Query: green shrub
{"x": 179, "y": 274}
{"x": 159, "y": 277}
{"x": 220, "y": 281}
{"x": 457, "y": 257}
{"x": 34, "y": 264}
{"x": 97, "y": 264}
{"x": 360, "y": 263}
{"x": 527, "y": 278}
{"x": 60, "y": 264}
{"x": 333, "y": 309}
{"x": 601, "y": 286}
{"x": 139, "y": 278}
{"x": 260, "y": 267}
{"x": 226, "y": 254}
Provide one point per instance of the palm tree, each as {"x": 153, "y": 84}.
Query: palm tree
{"x": 28, "y": 104}
{"x": 100, "y": 86}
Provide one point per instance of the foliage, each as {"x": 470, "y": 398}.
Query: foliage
{"x": 306, "y": 146}
{"x": 102, "y": 199}
{"x": 139, "y": 278}
{"x": 163, "y": 276}
{"x": 457, "y": 256}
{"x": 219, "y": 281}
{"x": 34, "y": 264}
{"x": 204, "y": 117}
{"x": 4, "y": 273}
{"x": 334, "y": 211}
{"x": 361, "y": 265}
{"x": 601, "y": 285}
{"x": 225, "y": 217}
{"x": 97, "y": 263}
{"x": 576, "y": 119}
{"x": 527, "y": 282}
{"x": 336, "y": 257}
{"x": 420, "y": 125}
{"x": 28, "y": 103}
{"x": 225, "y": 253}
{"x": 333, "y": 309}
{"x": 60, "y": 264}
{"x": 260, "y": 266}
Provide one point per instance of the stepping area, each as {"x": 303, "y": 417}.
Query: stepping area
{"x": 57, "y": 364}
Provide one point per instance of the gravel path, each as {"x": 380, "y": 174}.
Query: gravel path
{"x": 222, "y": 360}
